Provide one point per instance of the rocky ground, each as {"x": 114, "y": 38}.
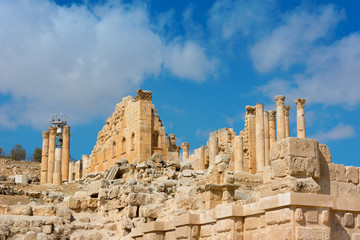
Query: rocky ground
{"x": 109, "y": 205}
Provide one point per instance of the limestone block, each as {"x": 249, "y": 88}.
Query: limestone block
{"x": 206, "y": 231}
{"x": 332, "y": 172}
{"x": 20, "y": 210}
{"x": 334, "y": 189}
{"x": 131, "y": 211}
{"x": 151, "y": 210}
{"x": 224, "y": 225}
{"x": 325, "y": 153}
{"x": 355, "y": 236}
{"x": 188, "y": 203}
{"x": 312, "y": 216}
{"x": 299, "y": 215}
{"x": 94, "y": 187}
{"x": 295, "y": 166}
{"x": 278, "y": 216}
{"x": 182, "y": 232}
{"x": 251, "y": 223}
{"x": 187, "y": 173}
{"x": 312, "y": 233}
{"x": 225, "y": 158}
{"x": 239, "y": 195}
{"x": 47, "y": 229}
{"x": 295, "y": 147}
{"x": 22, "y": 179}
{"x": 325, "y": 216}
{"x": 73, "y": 203}
{"x": 352, "y": 175}
{"x": 64, "y": 213}
{"x": 340, "y": 173}
{"x": 347, "y": 190}
{"x": 137, "y": 199}
{"x": 281, "y": 233}
{"x": 358, "y": 221}
{"x": 43, "y": 210}
{"x": 349, "y": 221}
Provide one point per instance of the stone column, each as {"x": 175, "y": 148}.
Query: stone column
{"x": 300, "y": 115}
{"x": 185, "y": 147}
{"x": 51, "y": 155}
{"x": 287, "y": 125}
{"x": 44, "y": 157}
{"x": 260, "y": 138}
{"x": 238, "y": 153}
{"x": 70, "y": 172}
{"x": 251, "y": 138}
{"x": 201, "y": 164}
{"x": 280, "y": 117}
{"x": 272, "y": 129}
{"x": 57, "y": 167}
{"x": 213, "y": 147}
{"x": 65, "y": 154}
{"x": 267, "y": 137}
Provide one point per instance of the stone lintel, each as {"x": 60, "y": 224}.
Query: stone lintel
{"x": 228, "y": 210}
{"x": 153, "y": 227}
{"x": 187, "y": 219}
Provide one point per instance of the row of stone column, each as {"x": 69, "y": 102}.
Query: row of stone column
{"x": 262, "y": 132}
{"x": 55, "y": 160}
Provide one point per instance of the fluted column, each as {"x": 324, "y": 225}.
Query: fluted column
{"x": 267, "y": 137}
{"x": 250, "y": 112}
{"x": 300, "y": 115}
{"x": 57, "y": 167}
{"x": 260, "y": 138}
{"x": 185, "y": 147}
{"x": 280, "y": 117}
{"x": 287, "y": 125}
{"x": 65, "y": 154}
{"x": 51, "y": 155}
{"x": 44, "y": 157}
{"x": 238, "y": 153}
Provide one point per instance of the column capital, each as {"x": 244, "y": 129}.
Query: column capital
{"x": 279, "y": 99}
{"x": 52, "y": 130}
{"x": 185, "y": 146}
{"x": 300, "y": 102}
{"x": 287, "y": 109}
{"x": 45, "y": 134}
{"x": 272, "y": 115}
{"x": 250, "y": 110}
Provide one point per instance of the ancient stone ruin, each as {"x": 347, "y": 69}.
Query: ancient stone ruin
{"x": 260, "y": 183}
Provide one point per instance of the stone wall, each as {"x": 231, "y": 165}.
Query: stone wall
{"x": 133, "y": 131}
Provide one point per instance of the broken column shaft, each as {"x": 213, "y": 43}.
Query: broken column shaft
{"x": 300, "y": 115}
{"x": 57, "y": 179}
{"x": 287, "y": 126}
{"x": 267, "y": 137}
{"x": 44, "y": 157}
{"x": 65, "y": 154}
{"x": 51, "y": 155}
{"x": 260, "y": 137}
{"x": 185, "y": 147}
{"x": 238, "y": 153}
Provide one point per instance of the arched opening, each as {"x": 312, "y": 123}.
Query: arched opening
{"x": 123, "y": 145}
{"x": 114, "y": 149}
{"x": 132, "y": 141}
{"x": 155, "y": 139}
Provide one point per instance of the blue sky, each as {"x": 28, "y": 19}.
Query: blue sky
{"x": 203, "y": 60}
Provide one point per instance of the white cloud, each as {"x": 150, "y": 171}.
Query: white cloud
{"x": 229, "y": 18}
{"x": 340, "y": 131}
{"x": 189, "y": 60}
{"x": 331, "y": 76}
{"x": 80, "y": 60}
{"x": 291, "y": 42}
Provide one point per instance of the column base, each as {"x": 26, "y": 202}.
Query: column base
{"x": 57, "y": 179}
{"x": 43, "y": 178}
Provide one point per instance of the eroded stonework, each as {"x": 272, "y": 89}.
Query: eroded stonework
{"x": 258, "y": 184}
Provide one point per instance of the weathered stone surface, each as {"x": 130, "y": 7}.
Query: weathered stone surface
{"x": 352, "y": 175}
{"x": 20, "y": 210}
